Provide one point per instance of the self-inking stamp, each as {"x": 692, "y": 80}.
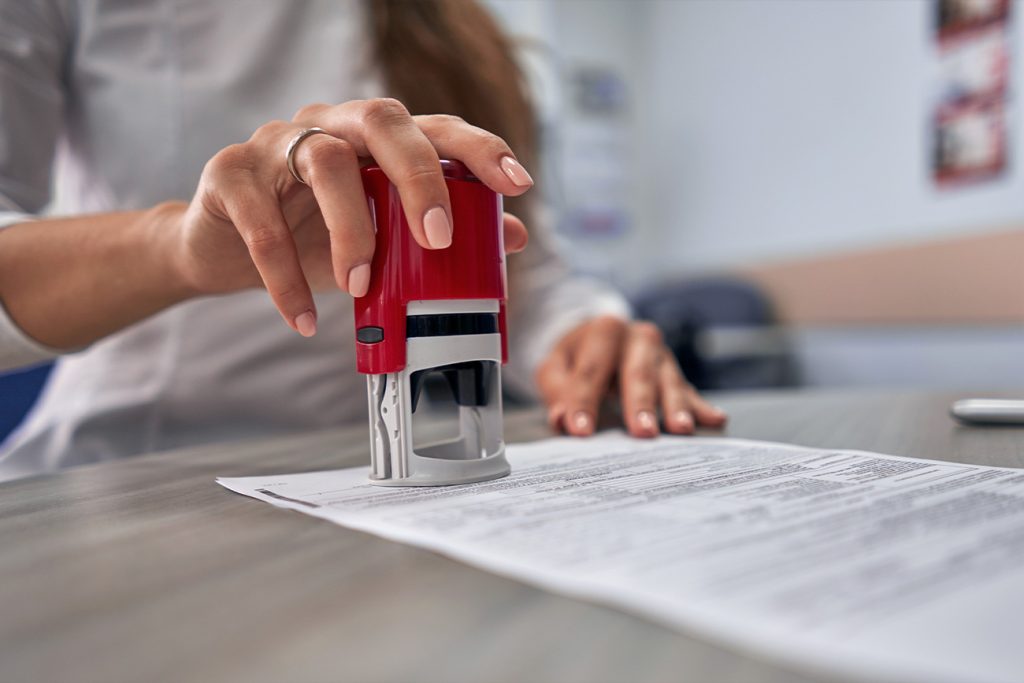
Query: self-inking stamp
{"x": 434, "y": 312}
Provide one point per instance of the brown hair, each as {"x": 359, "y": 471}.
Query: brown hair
{"x": 451, "y": 57}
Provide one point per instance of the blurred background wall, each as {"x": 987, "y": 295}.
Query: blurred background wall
{"x": 802, "y": 127}
{"x": 787, "y": 143}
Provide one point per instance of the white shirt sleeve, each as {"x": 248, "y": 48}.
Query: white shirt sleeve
{"x": 17, "y": 349}
{"x": 33, "y": 40}
{"x": 546, "y": 301}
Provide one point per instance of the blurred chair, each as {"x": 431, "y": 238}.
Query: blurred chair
{"x": 18, "y": 392}
{"x": 723, "y": 331}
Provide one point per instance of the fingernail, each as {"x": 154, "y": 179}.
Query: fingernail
{"x": 359, "y": 280}
{"x": 437, "y": 227}
{"x": 582, "y": 423}
{"x": 717, "y": 412}
{"x": 515, "y": 172}
{"x": 305, "y": 323}
{"x": 646, "y": 420}
{"x": 683, "y": 420}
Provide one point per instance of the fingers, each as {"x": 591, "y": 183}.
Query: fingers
{"x": 515, "y": 235}
{"x": 257, "y": 217}
{"x": 639, "y": 378}
{"x": 331, "y": 168}
{"x": 576, "y": 376}
{"x": 683, "y": 408}
{"x": 250, "y": 184}
{"x": 593, "y": 363}
{"x": 650, "y": 378}
{"x": 383, "y": 129}
{"x": 706, "y": 414}
{"x": 408, "y": 150}
{"x": 487, "y": 155}
{"x": 676, "y": 393}
{"x": 552, "y": 379}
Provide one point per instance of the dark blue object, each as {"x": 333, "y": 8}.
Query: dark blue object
{"x": 18, "y": 392}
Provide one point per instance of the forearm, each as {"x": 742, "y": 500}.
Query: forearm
{"x": 68, "y": 282}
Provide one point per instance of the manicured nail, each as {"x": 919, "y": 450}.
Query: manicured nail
{"x": 684, "y": 420}
{"x": 647, "y": 422}
{"x": 437, "y": 227}
{"x": 359, "y": 280}
{"x": 717, "y": 412}
{"x": 515, "y": 172}
{"x": 582, "y": 423}
{"x": 305, "y": 323}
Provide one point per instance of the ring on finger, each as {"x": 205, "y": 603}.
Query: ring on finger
{"x": 289, "y": 153}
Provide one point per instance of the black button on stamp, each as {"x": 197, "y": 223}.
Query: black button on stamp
{"x": 370, "y": 335}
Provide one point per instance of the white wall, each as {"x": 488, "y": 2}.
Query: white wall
{"x": 780, "y": 128}
{"x": 761, "y": 129}
{"x": 558, "y": 36}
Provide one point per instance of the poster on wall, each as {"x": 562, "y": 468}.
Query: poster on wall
{"x": 955, "y": 17}
{"x": 971, "y": 140}
{"x": 595, "y": 150}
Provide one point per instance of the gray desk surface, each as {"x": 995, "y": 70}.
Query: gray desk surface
{"x": 146, "y": 570}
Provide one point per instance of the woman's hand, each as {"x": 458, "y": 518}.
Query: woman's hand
{"x": 607, "y": 353}
{"x": 251, "y": 223}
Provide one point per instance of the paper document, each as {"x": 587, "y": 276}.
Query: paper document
{"x": 866, "y": 565}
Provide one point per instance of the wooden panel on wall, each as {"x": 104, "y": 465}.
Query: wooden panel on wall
{"x": 968, "y": 280}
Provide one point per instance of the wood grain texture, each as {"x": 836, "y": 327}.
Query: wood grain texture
{"x": 146, "y": 570}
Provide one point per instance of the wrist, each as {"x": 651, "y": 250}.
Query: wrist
{"x": 164, "y": 229}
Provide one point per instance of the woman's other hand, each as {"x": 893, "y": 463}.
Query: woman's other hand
{"x": 605, "y": 354}
{"x": 252, "y": 223}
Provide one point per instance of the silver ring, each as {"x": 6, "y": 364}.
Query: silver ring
{"x": 289, "y": 153}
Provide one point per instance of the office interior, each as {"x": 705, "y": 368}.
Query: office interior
{"x": 788, "y": 146}
{"x": 767, "y": 181}
{"x": 759, "y": 178}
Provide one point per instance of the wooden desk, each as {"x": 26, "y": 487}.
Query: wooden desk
{"x": 146, "y": 570}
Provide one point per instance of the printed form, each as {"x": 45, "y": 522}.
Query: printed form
{"x": 861, "y": 564}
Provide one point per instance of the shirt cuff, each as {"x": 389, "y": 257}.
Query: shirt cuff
{"x": 17, "y": 349}
{"x": 577, "y": 300}
{"x": 9, "y": 218}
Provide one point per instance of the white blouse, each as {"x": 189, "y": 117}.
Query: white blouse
{"x": 120, "y": 103}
